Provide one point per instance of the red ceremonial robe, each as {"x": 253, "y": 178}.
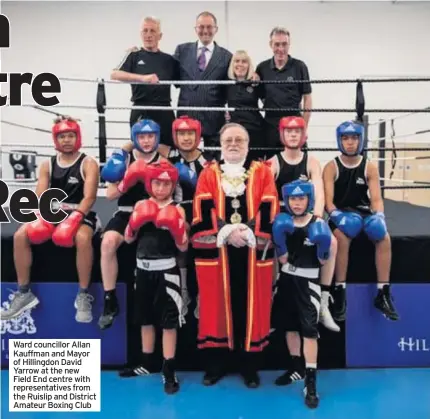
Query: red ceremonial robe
{"x": 214, "y": 268}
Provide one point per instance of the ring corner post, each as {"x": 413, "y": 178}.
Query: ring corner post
{"x": 381, "y": 144}
{"x": 101, "y": 109}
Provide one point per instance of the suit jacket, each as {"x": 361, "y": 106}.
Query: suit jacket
{"x": 203, "y": 95}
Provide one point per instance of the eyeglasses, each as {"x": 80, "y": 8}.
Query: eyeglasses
{"x": 231, "y": 141}
{"x": 203, "y": 27}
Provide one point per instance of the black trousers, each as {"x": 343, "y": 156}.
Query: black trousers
{"x": 163, "y": 118}
{"x": 230, "y": 362}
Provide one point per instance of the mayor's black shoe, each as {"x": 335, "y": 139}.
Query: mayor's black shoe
{"x": 310, "y": 390}
{"x": 384, "y": 303}
{"x": 170, "y": 381}
{"x": 213, "y": 375}
{"x": 251, "y": 378}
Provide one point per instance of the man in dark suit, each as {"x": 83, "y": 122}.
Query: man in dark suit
{"x": 204, "y": 60}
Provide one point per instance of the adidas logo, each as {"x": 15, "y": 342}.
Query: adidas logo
{"x": 146, "y": 128}
{"x": 297, "y": 191}
{"x": 349, "y": 128}
{"x": 183, "y": 125}
{"x": 293, "y": 123}
{"x": 164, "y": 176}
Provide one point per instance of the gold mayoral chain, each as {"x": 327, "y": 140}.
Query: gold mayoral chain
{"x": 235, "y": 181}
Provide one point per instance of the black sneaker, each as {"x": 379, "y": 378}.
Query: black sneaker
{"x": 110, "y": 311}
{"x": 170, "y": 381}
{"x": 339, "y": 305}
{"x": 289, "y": 377}
{"x": 310, "y": 390}
{"x": 136, "y": 371}
{"x": 384, "y": 302}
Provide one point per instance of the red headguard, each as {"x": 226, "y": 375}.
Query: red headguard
{"x": 292, "y": 122}
{"x": 66, "y": 125}
{"x": 185, "y": 123}
{"x": 161, "y": 171}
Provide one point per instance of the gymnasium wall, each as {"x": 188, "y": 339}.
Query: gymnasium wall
{"x": 335, "y": 39}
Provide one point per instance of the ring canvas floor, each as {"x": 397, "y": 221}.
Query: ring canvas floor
{"x": 345, "y": 394}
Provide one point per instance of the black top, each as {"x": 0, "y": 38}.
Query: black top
{"x": 155, "y": 243}
{"x": 283, "y": 95}
{"x": 138, "y": 191}
{"x": 290, "y": 172}
{"x": 350, "y": 187}
{"x": 242, "y": 96}
{"x": 69, "y": 178}
{"x": 145, "y": 62}
{"x": 301, "y": 252}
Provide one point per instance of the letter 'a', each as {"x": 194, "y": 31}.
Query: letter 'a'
{"x": 4, "y": 32}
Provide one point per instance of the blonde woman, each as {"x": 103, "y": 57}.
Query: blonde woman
{"x": 245, "y": 96}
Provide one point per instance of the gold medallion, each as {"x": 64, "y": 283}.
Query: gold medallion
{"x": 235, "y": 218}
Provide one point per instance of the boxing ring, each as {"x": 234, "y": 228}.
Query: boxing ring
{"x": 366, "y": 340}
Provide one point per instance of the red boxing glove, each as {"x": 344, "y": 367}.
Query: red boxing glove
{"x": 171, "y": 219}
{"x": 65, "y": 233}
{"x": 144, "y": 212}
{"x": 40, "y": 231}
{"x": 135, "y": 173}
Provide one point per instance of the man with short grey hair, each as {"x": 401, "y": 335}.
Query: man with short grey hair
{"x": 150, "y": 65}
{"x": 283, "y": 66}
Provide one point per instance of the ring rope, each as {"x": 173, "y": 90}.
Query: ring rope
{"x": 250, "y": 148}
{"x": 412, "y": 182}
{"x": 227, "y": 109}
{"x": 103, "y": 186}
{"x": 251, "y": 82}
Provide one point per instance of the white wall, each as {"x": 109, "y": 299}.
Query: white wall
{"x": 336, "y": 40}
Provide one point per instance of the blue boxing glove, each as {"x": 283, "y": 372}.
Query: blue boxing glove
{"x": 186, "y": 175}
{"x": 349, "y": 223}
{"x": 282, "y": 225}
{"x": 320, "y": 234}
{"x": 114, "y": 169}
{"x": 375, "y": 227}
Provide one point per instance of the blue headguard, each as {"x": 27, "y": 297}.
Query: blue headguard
{"x": 145, "y": 126}
{"x": 299, "y": 188}
{"x": 350, "y": 128}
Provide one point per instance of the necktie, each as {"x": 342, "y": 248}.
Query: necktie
{"x": 201, "y": 61}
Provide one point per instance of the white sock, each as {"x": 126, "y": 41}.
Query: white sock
{"x": 341, "y": 284}
{"x": 309, "y": 365}
{"x": 382, "y": 284}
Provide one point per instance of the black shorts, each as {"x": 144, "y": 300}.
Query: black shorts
{"x": 118, "y": 222}
{"x": 296, "y": 305}
{"x": 363, "y": 212}
{"x": 158, "y": 300}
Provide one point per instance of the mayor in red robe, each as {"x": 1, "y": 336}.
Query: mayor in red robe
{"x": 234, "y": 206}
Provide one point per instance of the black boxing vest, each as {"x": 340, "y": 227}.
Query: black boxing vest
{"x": 350, "y": 188}
{"x": 155, "y": 243}
{"x": 68, "y": 178}
{"x": 138, "y": 191}
{"x": 301, "y": 252}
{"x": 291, "y": 172}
